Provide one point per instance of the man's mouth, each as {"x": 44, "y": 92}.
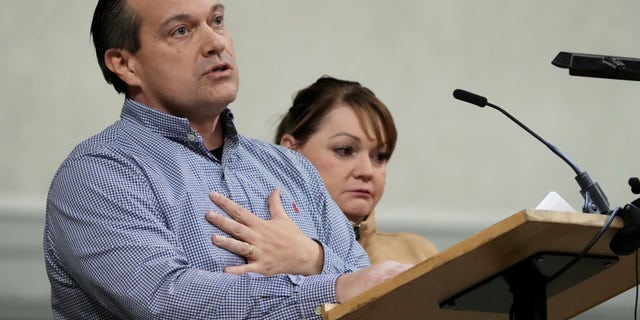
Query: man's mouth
{"x": 223, "y": 67}
{"x": 218, "y": 68}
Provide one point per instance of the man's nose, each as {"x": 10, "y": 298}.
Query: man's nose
{"x": 214, "y": 41}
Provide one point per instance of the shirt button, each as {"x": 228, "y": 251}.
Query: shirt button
{"x": 191, "y": 137}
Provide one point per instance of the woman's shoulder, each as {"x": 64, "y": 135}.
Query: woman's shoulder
{"x": 404, "y": 247}
{"x": 405, "y": 238}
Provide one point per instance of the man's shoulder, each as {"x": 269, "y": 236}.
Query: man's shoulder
{"x": 116, "y": 142}
{"x": 111, "y": 136}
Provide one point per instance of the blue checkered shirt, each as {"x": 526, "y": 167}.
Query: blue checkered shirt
{"x": 126, "y": 237}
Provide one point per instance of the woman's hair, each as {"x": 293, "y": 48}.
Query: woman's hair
{"x": 115, "y": 25}
{"x": 311, "y": 105}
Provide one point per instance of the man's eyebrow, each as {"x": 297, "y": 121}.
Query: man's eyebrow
{"x": 177, "y": 17}
{"x": 217, "y": 6}
{"x": 184, "y": 16}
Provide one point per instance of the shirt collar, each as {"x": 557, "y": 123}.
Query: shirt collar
{"x": 172, "y": 127}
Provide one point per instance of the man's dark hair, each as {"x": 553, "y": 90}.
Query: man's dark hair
{"x": 115, "y": 25}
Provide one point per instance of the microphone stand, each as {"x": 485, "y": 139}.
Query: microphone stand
{"x": 625, "y": 241}
{"x": 594, "y": 198}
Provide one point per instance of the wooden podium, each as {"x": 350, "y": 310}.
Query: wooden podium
{"x": 465, "y": 281}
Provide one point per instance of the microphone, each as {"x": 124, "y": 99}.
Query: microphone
{"x": 634, "y": 183}
{"x": 595, "y": 200}
{"x": 598, "y": 66}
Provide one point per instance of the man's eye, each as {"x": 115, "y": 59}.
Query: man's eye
{"x": 218, "y": 20}
{"x": 181, "y": 31}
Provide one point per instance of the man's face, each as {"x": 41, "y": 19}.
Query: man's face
{"x": 186, "y": 64}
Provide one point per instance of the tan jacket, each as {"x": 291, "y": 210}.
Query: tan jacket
{"x": 403, "y": 247}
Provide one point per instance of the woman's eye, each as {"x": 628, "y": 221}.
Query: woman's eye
{"x": 381, "y": 157}
{"x": 343, "y": 151}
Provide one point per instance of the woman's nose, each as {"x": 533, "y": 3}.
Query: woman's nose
{"x": 364, "y": 168}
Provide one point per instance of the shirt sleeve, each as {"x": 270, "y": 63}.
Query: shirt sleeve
{"x": 333, "y": 263}
{"x": 113, "y": 245}
{"x": 342, "y": 254}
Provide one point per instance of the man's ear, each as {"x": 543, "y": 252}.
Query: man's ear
{"x": 289, "y": 142}
{"x": 122, "y": 63}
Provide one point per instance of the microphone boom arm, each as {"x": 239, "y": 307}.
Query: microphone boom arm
{"x": 549, "y": 145}
{"x": 595, "y": 200}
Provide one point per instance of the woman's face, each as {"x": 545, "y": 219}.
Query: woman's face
{"x": 352, "y": 163}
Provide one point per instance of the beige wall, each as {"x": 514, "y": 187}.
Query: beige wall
{"x": 457, "y": 169}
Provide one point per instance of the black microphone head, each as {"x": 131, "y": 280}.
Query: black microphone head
{"x": 472, "y": 98}
{"x": 634, "y": 183}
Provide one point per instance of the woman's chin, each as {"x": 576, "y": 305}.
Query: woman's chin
{"x": 357, "y": 213}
